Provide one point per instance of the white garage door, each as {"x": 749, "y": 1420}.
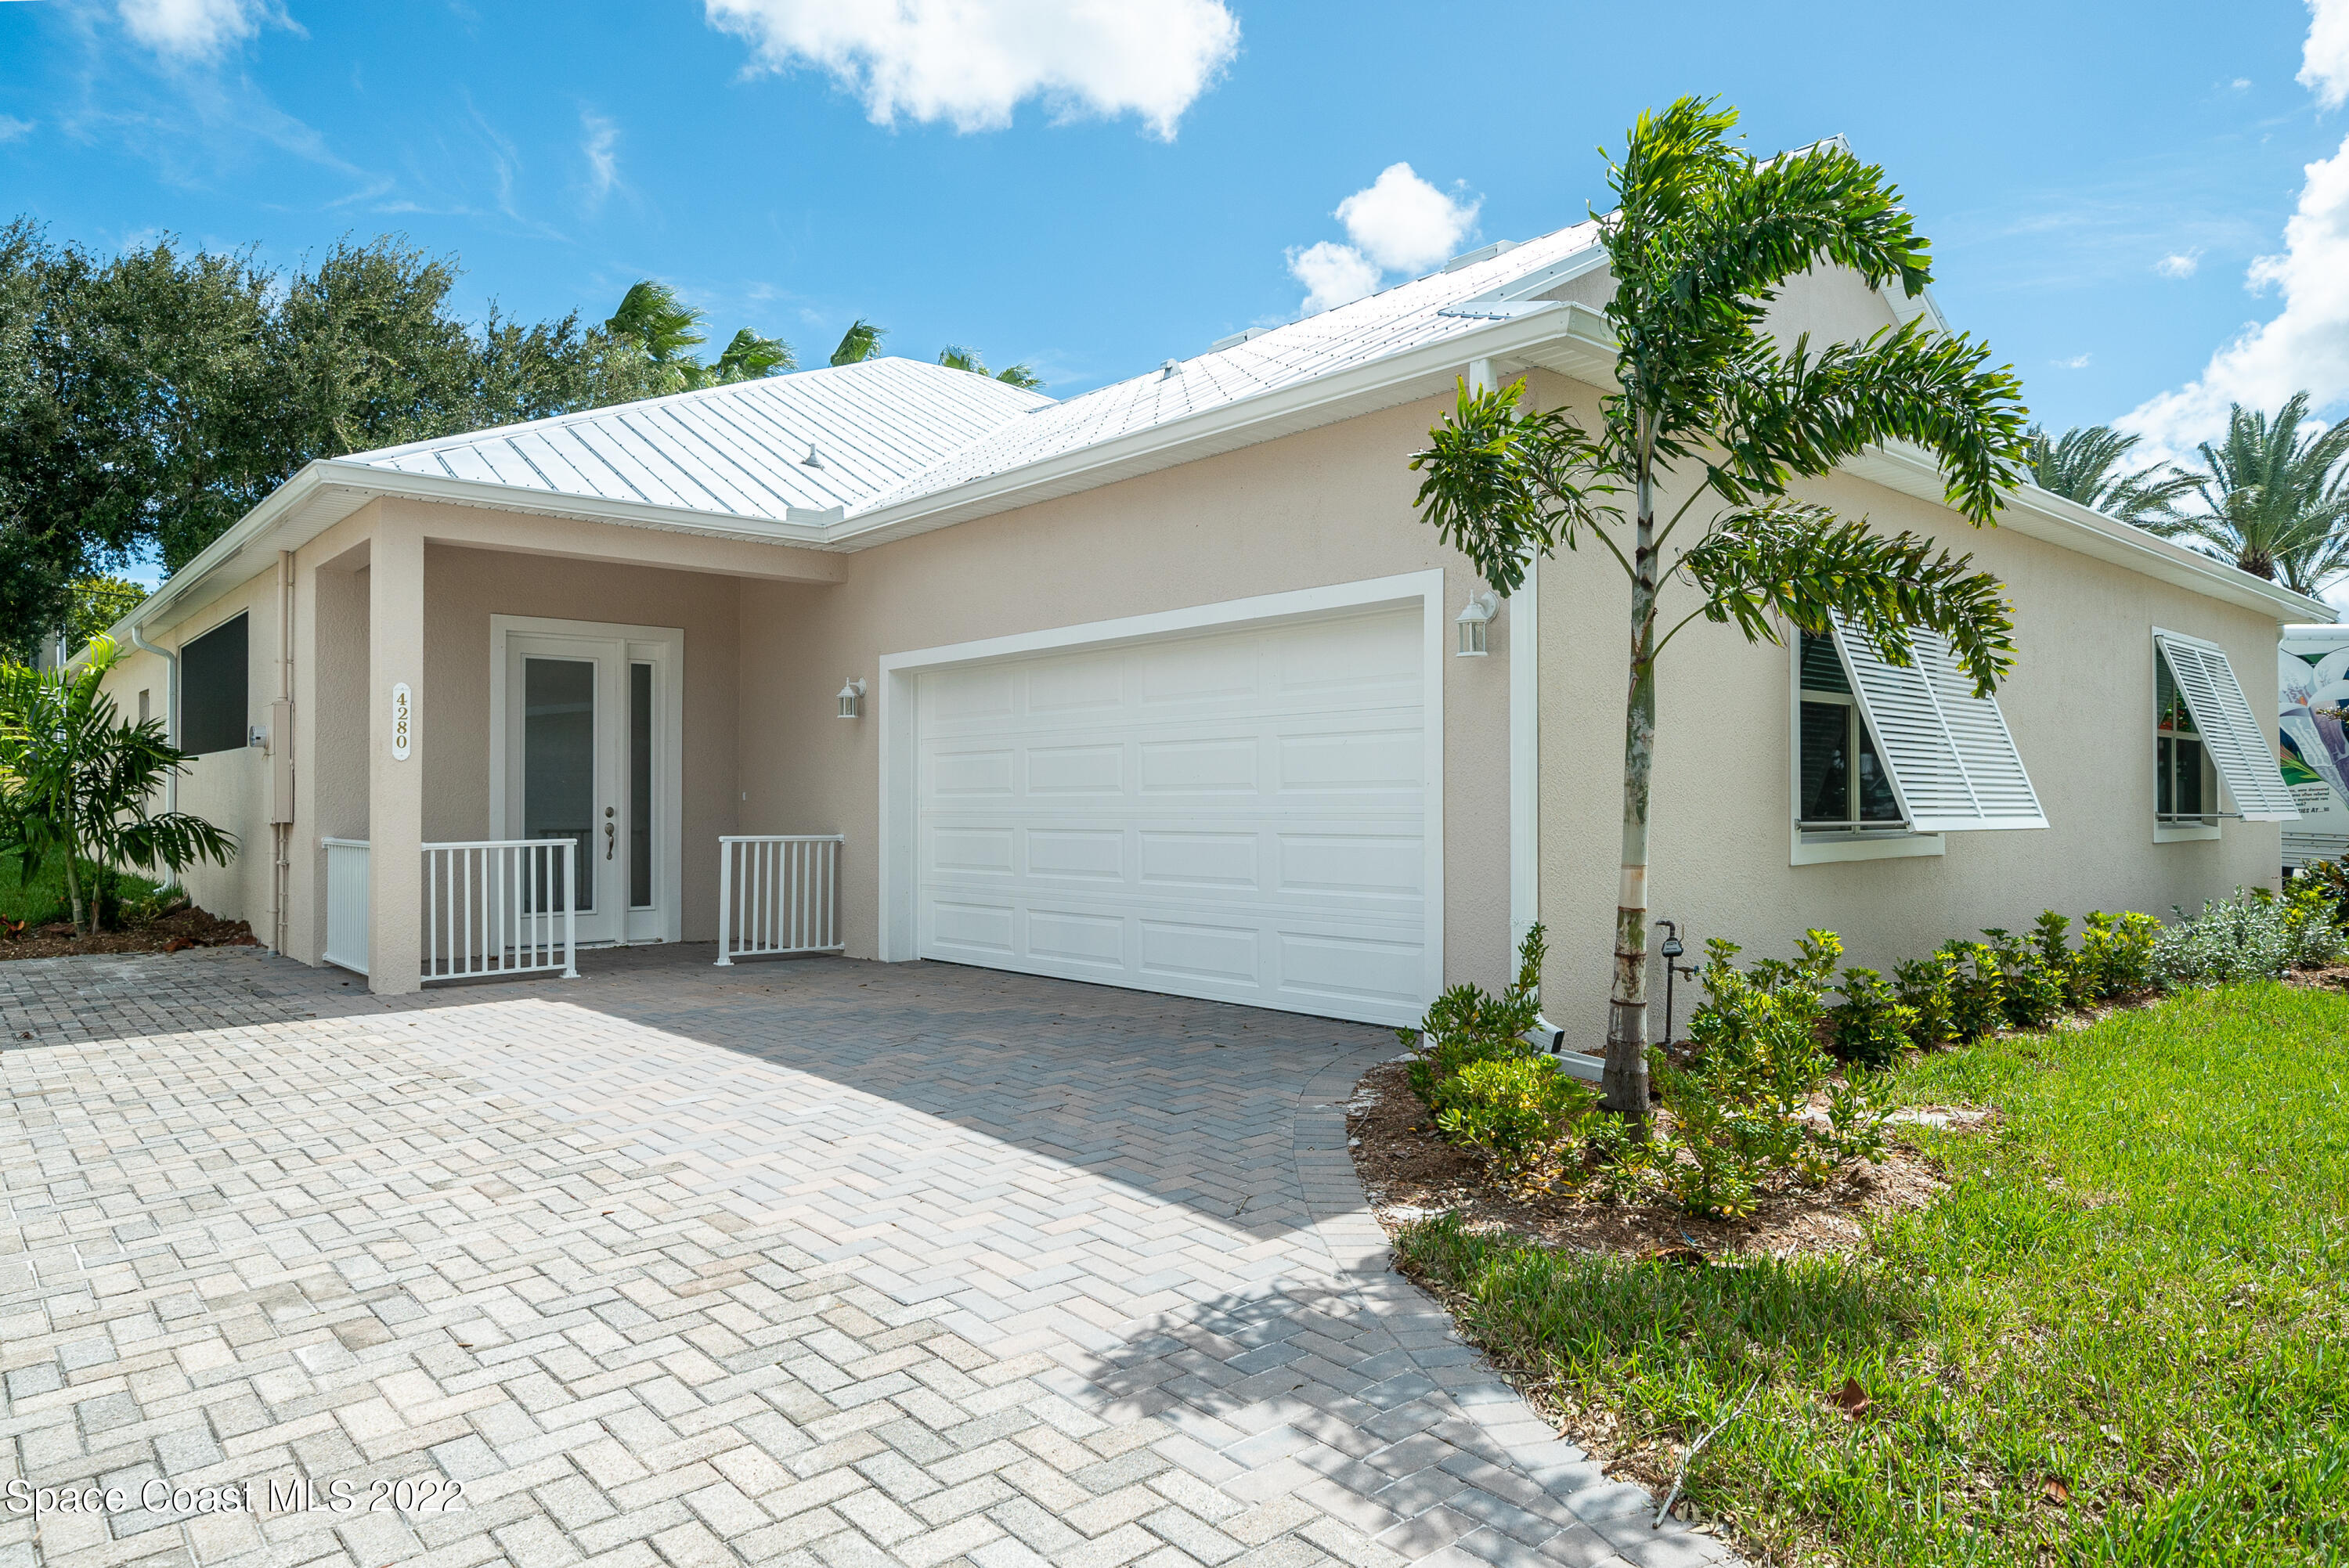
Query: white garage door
{"x": 1237, "y": 815}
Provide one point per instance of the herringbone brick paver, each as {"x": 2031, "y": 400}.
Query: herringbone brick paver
{"x": 827, "y": 1264}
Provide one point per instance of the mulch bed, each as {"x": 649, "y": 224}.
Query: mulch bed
{"x": 1411, "y": 1175}
{"x": 174, "y": 932}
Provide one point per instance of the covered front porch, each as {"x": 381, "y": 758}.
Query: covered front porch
{"x": 516, "y": 739}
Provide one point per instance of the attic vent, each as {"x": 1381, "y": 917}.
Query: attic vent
{"x": 1236, "y": 339}
{"x": 1171, "y": 368}
{"x": 811, "y": 461}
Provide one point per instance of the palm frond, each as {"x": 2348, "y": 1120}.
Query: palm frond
{"x": 955, "y": 356}
{"x": 861, "y": 342}
{"x": 1021, "y": 376}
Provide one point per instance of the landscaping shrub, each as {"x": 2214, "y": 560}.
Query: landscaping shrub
{"x": 1873, "y": 1027}
{"x": 2252, "y": 935}
{"x": 2117, "y": 951}
{"x": 1925, "y": 987}
{"x": 1977, "y": 989}
{"x": 1520, "y": 1111}
{"x": 2030, "y": 993}
{"x": 1738, "y": 1105}
{"x": 1467, "y": 1025}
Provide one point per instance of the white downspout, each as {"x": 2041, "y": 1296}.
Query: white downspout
{"x": 170, "y": 708}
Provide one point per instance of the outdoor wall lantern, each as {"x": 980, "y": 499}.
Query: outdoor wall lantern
{"x": 1472, "y": 622}
{"x": 852, "y": 697}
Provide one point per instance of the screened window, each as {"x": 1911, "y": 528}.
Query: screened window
{"x": 1844, "y": 782}
{"x": 214, "y": 689}
{"x": 2185, "y": 793}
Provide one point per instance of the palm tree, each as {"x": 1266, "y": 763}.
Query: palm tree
{"x": 1703, "y": 238}
{"x": 860, "y": 343}
{"x": 2274, "y": 501}
{"x": 954, "y": 357}
{"x": 655, "y": 320}
{"x": 2079, "y": 467}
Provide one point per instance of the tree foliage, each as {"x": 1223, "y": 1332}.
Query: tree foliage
{"x": 76, "y": 781}
{"x": 1707, "y": 400}
{"x": 2084, "y": 465}
{"x": 667, "y": 330}
{"x": 2274, "y": 498}
{"x": 148, "y": 399}
{"x": 955, "y": 356}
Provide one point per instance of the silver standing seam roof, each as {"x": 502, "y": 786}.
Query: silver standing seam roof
{"x": 853, "y": 438}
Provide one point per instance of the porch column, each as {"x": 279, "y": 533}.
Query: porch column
{"x": 395, "y": 783}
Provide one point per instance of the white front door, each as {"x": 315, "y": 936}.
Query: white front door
{"x": 588, "y": 753}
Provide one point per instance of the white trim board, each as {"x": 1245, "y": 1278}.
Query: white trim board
{"x": 895, "y": 710}
{"x": 668, "y": 825}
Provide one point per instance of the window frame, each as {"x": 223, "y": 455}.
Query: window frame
{"x": 1830, "y": 845}
{"x": 2175, "y": 827}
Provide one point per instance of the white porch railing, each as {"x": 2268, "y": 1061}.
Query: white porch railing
{"x": 493, "y": 906}
{"x": 347, "y": 903}
{"x": 778, "y": 893}
{"x": 500, "y": 906}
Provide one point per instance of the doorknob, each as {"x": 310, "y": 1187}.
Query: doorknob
{"x": 608, "y": 840}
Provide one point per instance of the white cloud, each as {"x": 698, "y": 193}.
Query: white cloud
{"x": 971, "y": 62}
{"x": 2324, "y": 59}
{"x": 2180, "y": 264}
{"x": 2304, "y": 346}
{"x": 598, "y": 143}
{"x": 194, "y": 28}
{"x": 2078, "y": 361}
{"x": 1402, "y": 222}
{"x": 12, "y": 128}
{"x": 1332, "y": 274}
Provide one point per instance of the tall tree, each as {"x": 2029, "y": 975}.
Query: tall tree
{"x": 150, "y": 398}
{"x": 669, "y": 330}
{"x": 1701, "y": 240}
{"x": 2080, "y": 465}
{"x": 2274, "y": 498}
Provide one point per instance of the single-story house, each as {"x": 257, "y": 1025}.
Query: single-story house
{"x": 1161, "y": 687}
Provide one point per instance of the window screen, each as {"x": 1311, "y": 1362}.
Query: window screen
{"x": 214, "y": 689}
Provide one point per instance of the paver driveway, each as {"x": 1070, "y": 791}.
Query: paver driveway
{"x": 831, "y": 1264}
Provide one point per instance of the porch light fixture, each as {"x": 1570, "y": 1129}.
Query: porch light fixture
{"x": 852, "y": 697}
{"x": 1472, "y": 622}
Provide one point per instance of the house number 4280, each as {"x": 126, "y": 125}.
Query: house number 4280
{"x": 403, "y": 720}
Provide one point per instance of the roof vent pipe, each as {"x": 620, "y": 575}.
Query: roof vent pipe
{"x": 811, "y": 461}
{"x": 1171, "y": 368}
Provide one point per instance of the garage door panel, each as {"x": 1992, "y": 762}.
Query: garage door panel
{"x": 1237, "y": 815}
{"x": 1217, "y": 954}
{"x": 1092, "y": 854}
{"x": 1224, "y": 765}
{"x": 1076, "y": 769}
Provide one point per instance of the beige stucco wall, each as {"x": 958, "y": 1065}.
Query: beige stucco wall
{"x": 2079, "y": 703}
{"x": 1324, "y": 507}
{"x": 464, "y": 587}
{"x": 228, "y": 789}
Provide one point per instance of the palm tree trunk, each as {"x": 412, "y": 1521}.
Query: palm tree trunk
{"x": 1625, "y": 1080}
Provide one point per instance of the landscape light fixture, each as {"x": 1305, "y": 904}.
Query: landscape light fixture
{"x": 1472, "y": 622}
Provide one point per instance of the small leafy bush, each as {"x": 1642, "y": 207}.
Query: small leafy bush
{"x": 1467, "y": 1025}
{"x": 1520, "y": 1111}
{"x": 1873, "y": 1027}
{"x": 2030, "y": 994}
{"x": 2252, "y": 935}
{"x": 2077, "y": 979}
{"x": 1738, "y": 1108}
{"x": 1927, "y": 988}
{"x": 2117, "y": 951}
{"x": 1977, "y": 989}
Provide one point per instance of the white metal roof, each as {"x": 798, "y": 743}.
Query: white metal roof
{"x": 741, "y": 450}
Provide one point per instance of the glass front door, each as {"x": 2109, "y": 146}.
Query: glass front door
{"x": 585, "y": 735}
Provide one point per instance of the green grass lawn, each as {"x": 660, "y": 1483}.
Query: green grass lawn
{"x": 43, "y": 898}
{"x": 2136, "y": 1292}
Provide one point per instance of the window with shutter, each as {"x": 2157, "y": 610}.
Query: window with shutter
{"x": 1949, "y": 761}
{"x": 2199, "y": 711}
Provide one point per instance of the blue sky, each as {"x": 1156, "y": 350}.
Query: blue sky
{"x": 1091, "y": 190}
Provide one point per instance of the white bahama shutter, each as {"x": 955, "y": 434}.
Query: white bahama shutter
{"x": 1953, "y": 765}
{"x": 2237, "y": 743}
